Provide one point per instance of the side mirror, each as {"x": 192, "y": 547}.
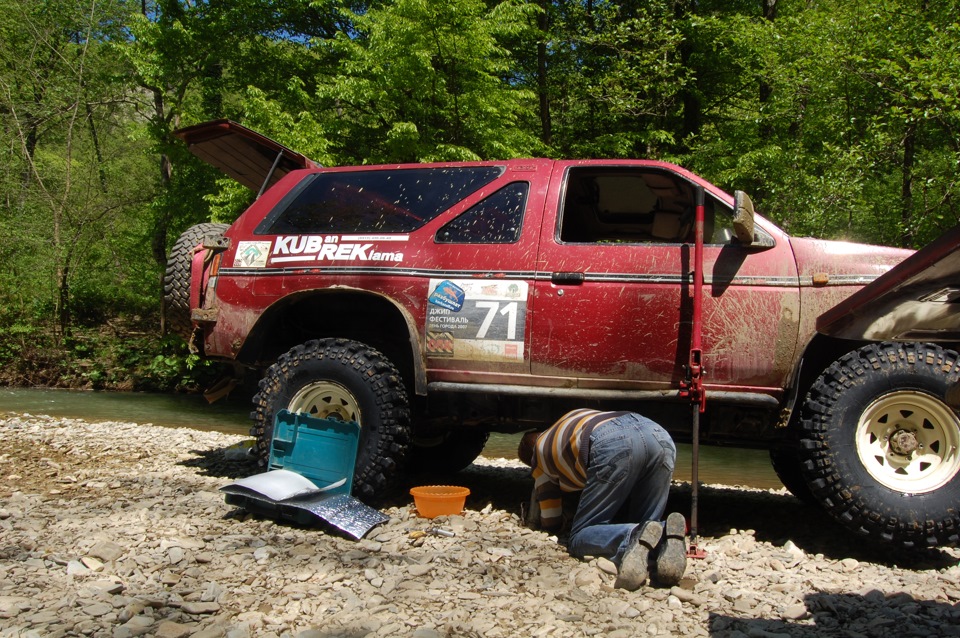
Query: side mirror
{"x": 743, "y": 217}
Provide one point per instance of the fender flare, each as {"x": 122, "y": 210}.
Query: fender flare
{"x": 819, "y": 352}
{"x": 415, "y": 344}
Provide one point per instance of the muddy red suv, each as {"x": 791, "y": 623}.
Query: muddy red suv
{"x": 435, "y": 303}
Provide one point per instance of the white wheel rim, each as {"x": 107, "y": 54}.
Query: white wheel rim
{"x": 326, "y": 400}
{"x": 908, "y": 441}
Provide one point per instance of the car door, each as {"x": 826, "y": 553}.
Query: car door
{"x": 614, "y": 294}
{"x": 481, "y": 264}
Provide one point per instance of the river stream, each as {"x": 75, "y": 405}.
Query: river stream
{"x": 728, "y": 466}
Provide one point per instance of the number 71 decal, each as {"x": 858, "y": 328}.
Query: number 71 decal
{"x": 470, "y": 319}
{"x": 510, "y": 310}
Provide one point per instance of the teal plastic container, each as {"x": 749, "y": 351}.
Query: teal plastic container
{"x": 323, "y": 450}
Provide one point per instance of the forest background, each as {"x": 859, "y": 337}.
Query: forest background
{"x": 840, "y": 119}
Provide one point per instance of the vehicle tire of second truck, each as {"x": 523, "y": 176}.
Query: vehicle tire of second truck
{"x": 786, "y": 465}
{"x": 448, "y": 453}
{"x": 176, "y": 278}
{"x": 880, "y": 449}
{"x": 348, "y": 381}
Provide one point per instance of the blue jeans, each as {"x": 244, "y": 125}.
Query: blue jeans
{"x": 629, "y": 470}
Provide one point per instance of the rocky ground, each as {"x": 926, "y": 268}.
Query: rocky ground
{"x": 118, "y": 529}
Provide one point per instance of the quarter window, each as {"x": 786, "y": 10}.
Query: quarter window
{"x": 495, "y": 220}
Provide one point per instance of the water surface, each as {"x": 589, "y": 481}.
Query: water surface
{"x": 728, "y": 466}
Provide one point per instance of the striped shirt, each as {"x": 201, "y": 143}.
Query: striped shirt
{"x": 560, "y": 460}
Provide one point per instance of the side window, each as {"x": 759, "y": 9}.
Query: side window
{"x": 717, "y": 222}
{"x": 495, "y": 220}
{"x": 374, "y": 201}
{"x": 628, "y": 205}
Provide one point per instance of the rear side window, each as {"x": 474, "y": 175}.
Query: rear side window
{"x": 384, "y": 201}
{"x": 495, "y": 220}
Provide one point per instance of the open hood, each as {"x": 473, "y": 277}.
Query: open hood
{"x": 917, "y": 300}
{"x": 253, "y": 160}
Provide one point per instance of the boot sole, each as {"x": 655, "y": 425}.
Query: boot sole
{"x": 672, "y": 558}
{"x": 634, "y": 569}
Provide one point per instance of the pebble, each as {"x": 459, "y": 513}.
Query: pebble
{"x": 115, "y": 529}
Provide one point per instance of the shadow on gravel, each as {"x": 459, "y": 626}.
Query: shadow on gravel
{"x": 873, "y": 614}
{"x": 780, "y": 517}
{"x": 774, "y": 517}
{"x": 215, "y": 463}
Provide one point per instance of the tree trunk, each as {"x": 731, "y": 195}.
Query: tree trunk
{"x": 63, "y": 300}
{"x": 158, "y": 244}
{"x": 96, "y": 148}
{"x": 692, "y": 108}
{"x": 546, "y": 127}
{"x": 766, "y": 91}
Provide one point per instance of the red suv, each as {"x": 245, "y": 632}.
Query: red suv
{"x": 435, "y": 303}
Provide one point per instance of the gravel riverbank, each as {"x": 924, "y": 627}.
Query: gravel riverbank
{"x": 117, "y": 529}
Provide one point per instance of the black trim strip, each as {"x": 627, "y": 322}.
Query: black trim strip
{"x": 742, "y": 398}
{"x": 400, "y": 272}
{"x": 625, "y": 278}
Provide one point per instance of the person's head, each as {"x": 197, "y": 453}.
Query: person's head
{"x": 525, "y": 450}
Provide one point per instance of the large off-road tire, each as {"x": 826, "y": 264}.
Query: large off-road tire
{"x": 447, "y": 453}
{"x": 346, "y": 380}
{"x": 880, "y": 448}
{"x": 176, "y": 279}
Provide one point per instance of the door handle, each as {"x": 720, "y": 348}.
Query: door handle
{"x": 567, "y": 278}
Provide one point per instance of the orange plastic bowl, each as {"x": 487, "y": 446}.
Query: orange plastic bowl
{"x": 439, "y": 500}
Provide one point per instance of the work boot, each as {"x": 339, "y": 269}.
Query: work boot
{"x": 671, "y": 560}
{"x": 633, "y": 570}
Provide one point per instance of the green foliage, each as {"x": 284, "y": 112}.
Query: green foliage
{"x": 421, "y": 80}
{"x": 117, "y": 355}
{"x": 15, "y": 340}
{"x": 845, "y": 121}
{"x": 619, "y": 80}
{"x": 841, "y": 120}
{"x": 78, "y": 174}
{"x": 174, "y": 368}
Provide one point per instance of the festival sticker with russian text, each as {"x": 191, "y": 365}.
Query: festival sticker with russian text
{"x": 476, "y": 319}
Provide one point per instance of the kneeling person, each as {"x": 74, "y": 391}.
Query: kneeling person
{"x": 622, "y": 463}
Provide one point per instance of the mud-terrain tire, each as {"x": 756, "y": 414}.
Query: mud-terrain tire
{"x": 176, "y": 279}
{"x": 346, "y": 380}
{"x": 880, "y": 449}
{"x": 448, "y": 453}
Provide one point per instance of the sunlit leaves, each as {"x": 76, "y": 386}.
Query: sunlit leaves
{"x": 841, "y": 119}
{"x": 858, "y": 124}
{"x": 78, "y": 168}
{"x": 422, "y": 80}
{"x": 622, "y": 92}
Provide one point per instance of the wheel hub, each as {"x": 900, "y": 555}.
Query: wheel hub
{"x": 904, "y": 443}
{"x": 909, "y": 441}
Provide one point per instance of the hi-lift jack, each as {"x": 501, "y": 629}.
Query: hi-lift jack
{"x": 692, "y": 387}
